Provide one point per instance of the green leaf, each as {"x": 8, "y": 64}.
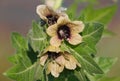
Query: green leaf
{"x": 72, "y": 10}
{"x": 84, "y": 48}
{"x": 80, "y": 74}
{"x": 91, "y": 35}
{"x": 25, "y": 66}
{"x": 102, "y": 15}
{"x": 70, "y": 75}
{"x": 22, "y": 64}
{"x": 86, "y": 61}
{"x": 37, "y": 37}
{"x": 63, "y": 76}
{"x": 18, "y": 41}
{"x": 13, "y": 59}
{"x": 105, "y": 63}
{"x": 27, "y": 74}
{"x": 24, "y": 69}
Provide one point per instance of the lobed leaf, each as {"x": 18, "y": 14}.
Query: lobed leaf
{"x": 24, "y": 69}
{"x": 80, "y": 74}
{"x": 18, "y": 41}
{"x": 27, "y": 74}
{"x": 102, "y": 15}
{"x": 91, "y": 35}
{"x": 86, "y": 62}
{"x": 105, "y": 64}
{"x": 37, "y": 37}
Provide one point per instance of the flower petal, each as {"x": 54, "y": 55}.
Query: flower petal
{"x": 53, "y": 49}
{"x": 62, "y": 20}
{"x": 78, "y": 64}
{"x": 70, "y": 62}
{"x": 76, "y": 26}
{"x": 62, "y": 14}
{"x": 52, "y": 30}
{"x": 43, "y": 11}
{"x": 60, "y": 60}
{"x": 54, "y": 68}
{"x": 70, "y": 65}
{"x": 75, "y": 39}
{"x": 43, "y": 59}
{"x": 48, "y": 70}
{"x": 61, "y": 68}
{"x": 55, "y": 41}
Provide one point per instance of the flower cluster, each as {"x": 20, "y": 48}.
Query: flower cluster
{"x": 60, "y": 28}
{"x": 58, "y": 60}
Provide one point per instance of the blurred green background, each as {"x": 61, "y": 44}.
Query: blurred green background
{"x": 17, "y": 15}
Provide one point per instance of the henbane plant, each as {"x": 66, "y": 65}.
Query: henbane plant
{"x": 62, "y": 45}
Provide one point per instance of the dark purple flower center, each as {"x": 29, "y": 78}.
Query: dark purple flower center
{"x": 52, "y": 19}
{"x": 53, "y": 55}
{"x": 63, "y": 32}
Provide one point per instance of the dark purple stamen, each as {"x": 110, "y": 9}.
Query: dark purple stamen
{"x": 52, "y": 19}
{"x": 63, "y": 32}
{"x": 53, "y": 55}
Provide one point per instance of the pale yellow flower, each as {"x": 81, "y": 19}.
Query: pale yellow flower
{"x": 65, "y": 29}
{"x": 55, "y": 4}
{"x": 57, "y": 61}
{"x": 48, "y": 14}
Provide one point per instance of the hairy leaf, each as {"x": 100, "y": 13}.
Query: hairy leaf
{"x": 91, "y": 35}
{"x": 102, "y": 15}
{"x": 37, "y": 37}
{"x": 86, "y": 62}
{"x": 80, "y": 74}
{"x": 18, "y": 41}
{"x": 24, "y": 69}
{"x": 105, "y": 64}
